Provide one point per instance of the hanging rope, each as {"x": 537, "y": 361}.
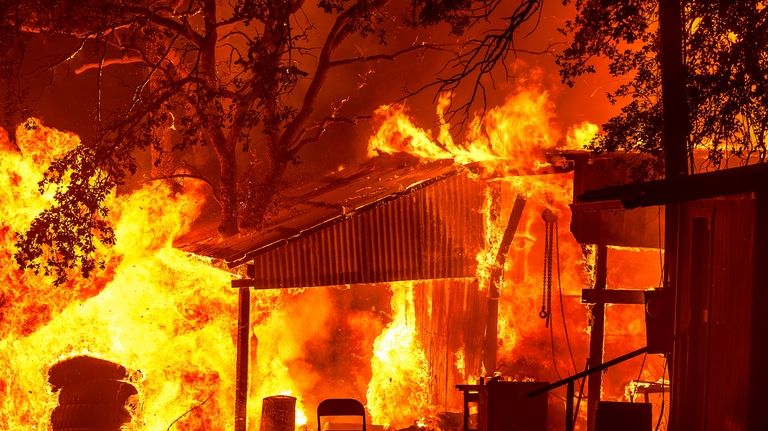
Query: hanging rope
{"x": 546, "y": 289}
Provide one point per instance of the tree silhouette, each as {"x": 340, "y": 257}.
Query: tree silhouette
{"x": 726, "y": 58}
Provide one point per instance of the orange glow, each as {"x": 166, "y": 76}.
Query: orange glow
{"x": 162, "y": 313}
{"x": 398, "y": 393}
{"x": 509, "y": 137}
{"x": 580, "y": 135}
{"x": 169, "y": 317}
{"x": 517, "y": 138}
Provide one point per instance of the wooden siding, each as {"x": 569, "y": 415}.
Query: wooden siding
{"x": 711, "y": 370}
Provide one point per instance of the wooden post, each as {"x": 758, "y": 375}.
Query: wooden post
{"x": 569, "y": 393}
{"x": 278, "y": 413}
{"x": 596, "y": 335}
{"x": 676, "y": 129}
{"x": 497, "y": 272}
{"x": 241, "y": 373}
{"x": 757, "y": 419}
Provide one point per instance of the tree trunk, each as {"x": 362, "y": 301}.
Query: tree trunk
{"x": 262, "y": 191}
{"x": 228, "y": 192}
{"x": 676, "y": 130}
{"x": 225, "y": 150}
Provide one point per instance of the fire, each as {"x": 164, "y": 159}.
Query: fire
{"x": 398, "y": 391}
{"x": 168, "y": 317}
{"x": 163, "y": 314}
{"x": 581, "y": 135}
{"x": 507, "y": 138}
{"x": 519, "y": 137}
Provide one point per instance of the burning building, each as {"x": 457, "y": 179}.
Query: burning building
{"x": 156, "y": 278}
{"x": 410, "y": 249}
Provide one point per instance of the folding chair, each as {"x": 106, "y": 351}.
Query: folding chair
{"x": 340, "y": 407}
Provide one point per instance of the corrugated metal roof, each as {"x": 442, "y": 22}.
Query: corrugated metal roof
{"x": 374, "y": 222}
{"x": 434, "y": 232}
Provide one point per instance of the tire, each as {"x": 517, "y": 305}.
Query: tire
{"x": 109, "y": 415}
{"x": 96, "y": 392}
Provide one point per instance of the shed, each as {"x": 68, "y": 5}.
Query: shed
{"x": 718, "y": 366}
{"x": 389, "y": 219}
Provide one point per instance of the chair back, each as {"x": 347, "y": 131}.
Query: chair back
{"x": 340, "y": 407}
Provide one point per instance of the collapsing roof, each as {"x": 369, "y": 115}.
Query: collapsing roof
{"x": 391, "y": 218}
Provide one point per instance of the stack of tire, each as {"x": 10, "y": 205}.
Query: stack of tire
{"x": 92, "y": 395}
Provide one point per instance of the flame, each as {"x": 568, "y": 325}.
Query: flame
{"x": 519, "y": 137}
{"x": 398, "y": 392}
{"x": 160, "y": 312}
{"x": 504, "y": 139}
{"x": 580, "y": 135}
{"x": 167, "y": 316}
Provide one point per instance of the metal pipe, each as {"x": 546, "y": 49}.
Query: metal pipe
{"x": 577, "y": 376}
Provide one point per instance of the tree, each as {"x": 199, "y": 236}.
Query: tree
{"x": 236, "y": 77}
{"x": 726, "y": 57}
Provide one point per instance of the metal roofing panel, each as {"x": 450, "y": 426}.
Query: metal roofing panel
{"x": 333, "y": 199}
{"x": 432, "y": 233}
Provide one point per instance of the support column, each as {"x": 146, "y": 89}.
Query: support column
{"x": 674, "y": 139}
{"x": 241, "y": 373}
{"x": 596, "y": 336}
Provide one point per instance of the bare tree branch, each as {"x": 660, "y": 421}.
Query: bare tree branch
{"x": 342, "y": 27}
{"x": 169, "y": 23}
{"x": 321, "y": 128}
{"x": 106, "y": 63}
{"x": 390, "y": 56}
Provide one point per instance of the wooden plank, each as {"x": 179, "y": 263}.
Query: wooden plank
{"x": 241, "y": 371}
{"x": 612, "y": 296}
{"x": 596, "y": 335}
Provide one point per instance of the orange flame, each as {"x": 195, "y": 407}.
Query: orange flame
{"x": 162, "y": 313}
{"x": 399, "y": 367}
{"x": 507, "y": 138}
{"x": 168, "y": 316}
{"x": 519, "y": 137}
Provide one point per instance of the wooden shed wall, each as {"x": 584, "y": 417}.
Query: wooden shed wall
{"x": 711, "y": 372}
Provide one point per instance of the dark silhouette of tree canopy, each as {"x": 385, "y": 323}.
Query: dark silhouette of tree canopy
{"x": 237, "y": 76}
{"x": 726, "y": 58}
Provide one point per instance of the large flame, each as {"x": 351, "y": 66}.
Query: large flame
{"x": 506, "y": 138}
{"x": 398, "y": 393}
{"x": 516, "y": 138}
{"x": 165, "y": 315}
{"x": 169, "y": 317}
